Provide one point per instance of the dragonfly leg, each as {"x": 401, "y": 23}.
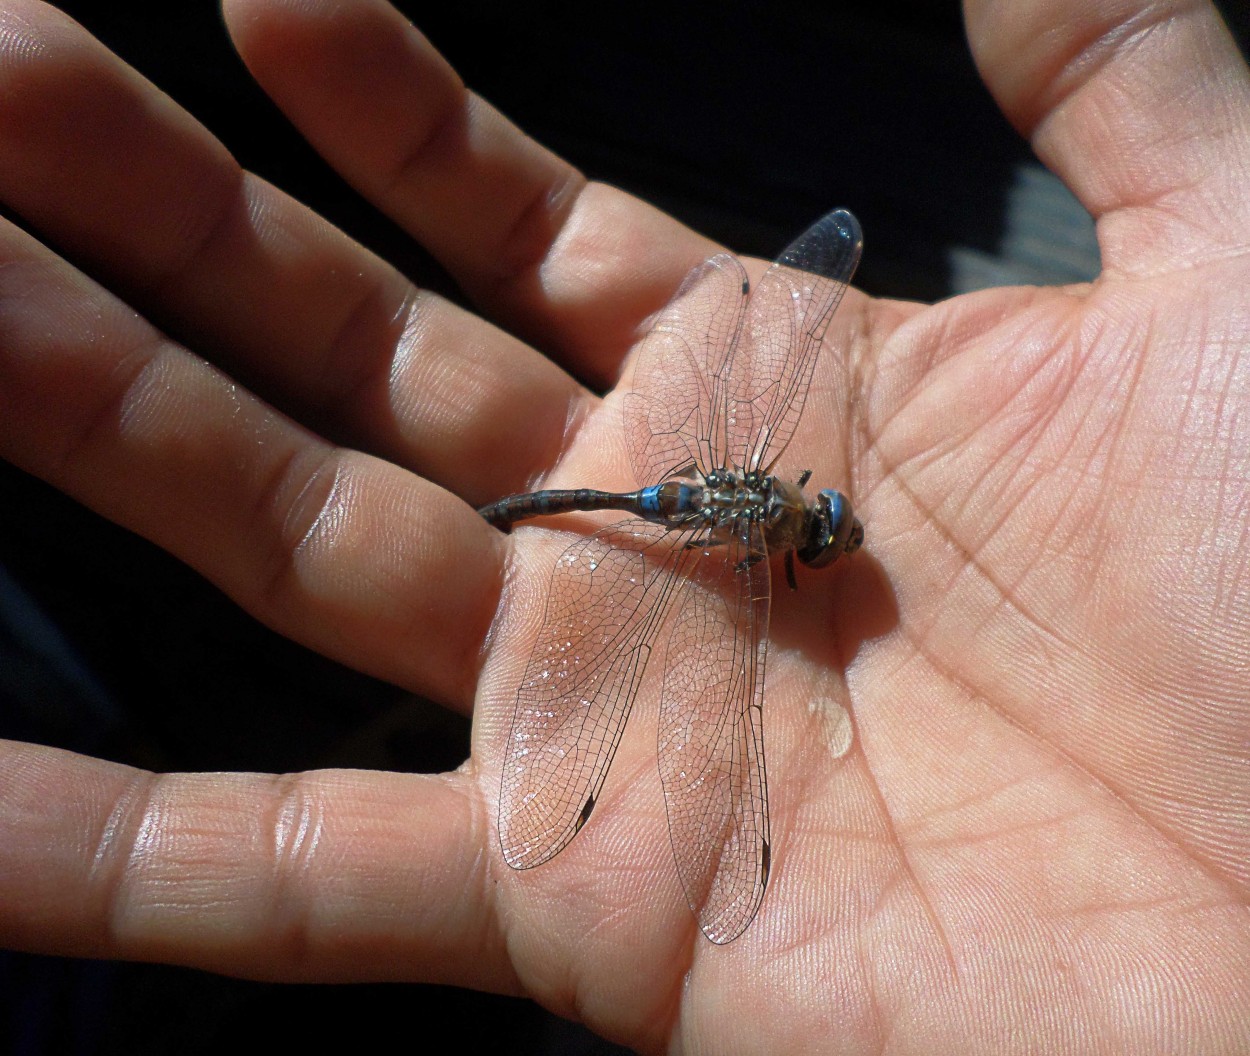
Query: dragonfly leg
{"x": 804, "y": 477}
{"x": 747, "y": 562}
{"x": 702, "y": 544}
{"x": 794, "y": 583}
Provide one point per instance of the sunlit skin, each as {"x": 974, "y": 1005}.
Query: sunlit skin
{"x": 1038, "y": 838}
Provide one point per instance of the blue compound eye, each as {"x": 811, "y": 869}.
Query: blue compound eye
{"x": 832, "y": 530}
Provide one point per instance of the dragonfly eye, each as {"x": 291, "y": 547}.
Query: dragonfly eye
{"x": 832, "y": 530}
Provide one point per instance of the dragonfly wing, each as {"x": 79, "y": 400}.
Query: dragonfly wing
{"x": 607, "y": 599}
{"x": 785, "y": 324}
{"x": 674, "y": 411}
{"x": 711, "y": 747}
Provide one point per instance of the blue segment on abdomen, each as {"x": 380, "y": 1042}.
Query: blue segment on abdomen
{"x": 666, "y": 504}
{"x": 649, "y": 499}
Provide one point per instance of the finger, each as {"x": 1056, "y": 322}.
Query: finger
{"x": 258, "y": 283}
{"x": 573, "y": 266}
{"x": 1143, "y": 108}
{"x": 348, "y": 554}
{"x": 328, "y": 876}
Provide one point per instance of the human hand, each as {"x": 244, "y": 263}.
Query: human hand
{"x": 985, "y": 867}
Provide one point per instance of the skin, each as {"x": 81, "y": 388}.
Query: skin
{"x": 1039, "y": 838}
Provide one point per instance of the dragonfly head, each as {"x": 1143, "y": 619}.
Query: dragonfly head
{"x": 832, "y": 530}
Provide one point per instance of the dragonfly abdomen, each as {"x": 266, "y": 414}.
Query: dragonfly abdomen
{"x": 506, "y": 512}
{"x": 674, "y": 503}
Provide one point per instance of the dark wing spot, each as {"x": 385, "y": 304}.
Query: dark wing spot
{"x": 590, "y": 805}
{"x": 766, "y": 864}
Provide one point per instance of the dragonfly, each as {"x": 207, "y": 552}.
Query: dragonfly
{"x": 718, "y": 387}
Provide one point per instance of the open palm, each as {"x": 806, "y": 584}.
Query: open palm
{"x": 1007, "y": 743}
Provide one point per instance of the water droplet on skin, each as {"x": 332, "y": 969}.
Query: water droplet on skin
{"x": 835, "y": 725}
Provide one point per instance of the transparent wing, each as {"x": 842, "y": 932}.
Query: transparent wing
{"x": 674, "y": 413}
{"x": 771, "y": 369}
{"x": 608, "y": 596}
{"x": 711, "y": 746}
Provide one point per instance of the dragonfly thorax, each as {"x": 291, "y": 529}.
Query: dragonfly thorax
{"x": 819, "y": 531}
{"x": 728, "y": 495}
{"x": 724, "y": 498}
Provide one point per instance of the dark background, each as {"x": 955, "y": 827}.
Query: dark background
{"x": 747, "y": 121}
